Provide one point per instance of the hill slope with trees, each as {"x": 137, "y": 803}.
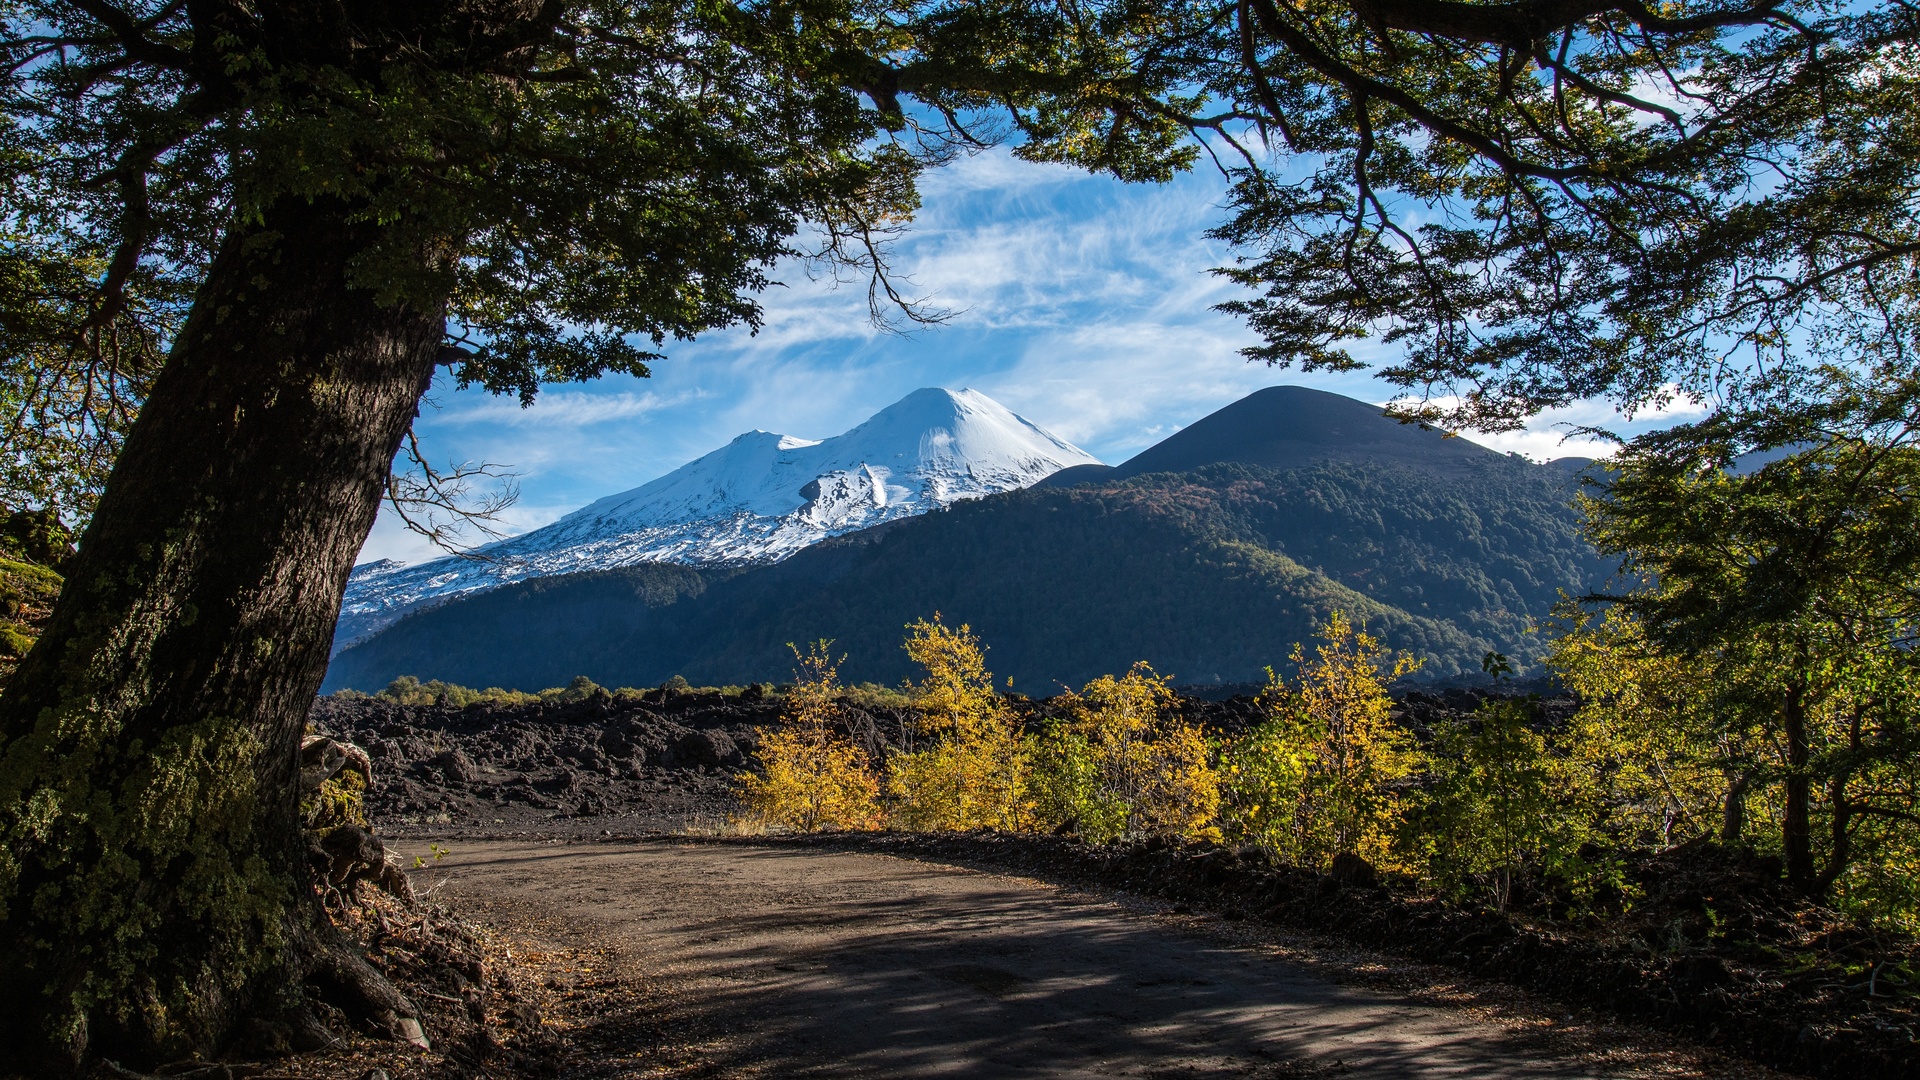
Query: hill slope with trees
{"x": 1211, "y": 575}
{"x": 1283, "y": 427}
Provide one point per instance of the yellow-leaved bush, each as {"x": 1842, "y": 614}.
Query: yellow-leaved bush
{"x": 813, "y": 775}
{"x": 1124, "y": 764}
{"x": 1316, "y": 779}
{"x": 1503, "y": 805}
{"x": 1320, "y": 775}
{"x": 1650, "y": 737}
{"x": 966, "y": 767}
{"x": 1325, "y": 773}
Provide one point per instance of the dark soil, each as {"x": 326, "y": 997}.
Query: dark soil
{"x": 1715, "y": 947}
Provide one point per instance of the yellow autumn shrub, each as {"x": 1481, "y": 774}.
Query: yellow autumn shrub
{"x": 966, "y": 766}
{"x": 813, "y": 776}
{"x": 1124, "y": 764}
{"x": 1319, "y": 776}
{"x": 1650, "y": 735}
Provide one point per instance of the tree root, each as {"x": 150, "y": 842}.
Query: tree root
{"x": 347, "y": 981}
{"x": 185, "y": 1070}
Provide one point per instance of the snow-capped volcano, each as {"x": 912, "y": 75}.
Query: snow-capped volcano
{"x": 758, "y": 499}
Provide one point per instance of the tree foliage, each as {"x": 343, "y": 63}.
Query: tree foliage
{"x": 1545, "y": 202}
{"x": 813, "y": 775}
{"x": 1503, "y": 809}
{"x": 1650, "y": 738}
{"x": 409, "y": 690}
{"x": 971, "y": 773}
{"x": 566, "y": 176}
{"x": 1784, "y": 590}
{"x": 572, "y": 183}
{"x": 1122, "y": 764}
{"x": 67, "y": 398}
{"x": 1323, "y": 774}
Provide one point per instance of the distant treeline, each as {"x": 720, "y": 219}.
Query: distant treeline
{"x": 1212, "y": 574}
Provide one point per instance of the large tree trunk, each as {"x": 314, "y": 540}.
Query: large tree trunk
{"x": 154, "y": 878}
{"x": 1796, "y": 825}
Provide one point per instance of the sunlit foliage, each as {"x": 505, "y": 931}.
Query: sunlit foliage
{"x": 33, "y": 545}
{"x": 1323, "y": 774}
{"x": 967, "y": 767}
{"x": 813, "y": 776}
{"x": 409, "y": 690}
{"x": 1124, "y": 764}
{"x": 1665, "y": 763}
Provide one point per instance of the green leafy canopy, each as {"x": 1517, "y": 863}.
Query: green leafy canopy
{"x": 1542, "y": 201}
{"x": 573, "y": 183}
{"x": 1537, "y": 201}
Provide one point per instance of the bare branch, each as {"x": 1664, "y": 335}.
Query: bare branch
{"x": 442, "y": 505}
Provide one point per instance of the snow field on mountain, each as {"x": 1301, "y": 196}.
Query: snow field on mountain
{"x": 758, "y": 499}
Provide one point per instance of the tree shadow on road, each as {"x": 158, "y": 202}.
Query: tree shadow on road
{"x": 801, "y": 964}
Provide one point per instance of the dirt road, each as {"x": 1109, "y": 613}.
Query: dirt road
{"x": 798, "y": 963}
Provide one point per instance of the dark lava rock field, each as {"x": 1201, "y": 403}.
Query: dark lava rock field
{"x": 663, "y": 761}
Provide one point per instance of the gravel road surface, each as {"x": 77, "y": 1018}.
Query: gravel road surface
{"x": 799, "y": 963}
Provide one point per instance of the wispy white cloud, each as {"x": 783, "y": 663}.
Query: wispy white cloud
{"x": 1566, "y": 432}
{"x": 562, "y": 409}
{"x": 1541, "y": 445}
{"x": 995, "y": 172}
{"x": 1084, "y": 304}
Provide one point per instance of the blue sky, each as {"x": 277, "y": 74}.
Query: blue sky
{"x": 1078, "y": 302}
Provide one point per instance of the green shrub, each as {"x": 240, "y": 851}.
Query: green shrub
{"x": 1124, "y": 765}
{"x": 1065, "y": 785}
{"x": 1504, "y": 809}
{"x": 1324, "y": 774}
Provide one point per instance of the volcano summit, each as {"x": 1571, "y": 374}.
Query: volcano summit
{"x": 758, "y": 499}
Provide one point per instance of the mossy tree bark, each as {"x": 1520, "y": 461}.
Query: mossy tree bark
{"x": 597, "y": 174}
{"x": 154, "y": 884}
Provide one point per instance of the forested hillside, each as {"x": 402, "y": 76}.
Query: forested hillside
{"x": 1211, "y": 575}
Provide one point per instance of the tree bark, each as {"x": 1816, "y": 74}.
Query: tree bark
{"x": 1842, "y": 810}
{"x": 1733, "y": 812}
{"x": 1796, "y": 827}
{"x": 1839, "y": 836}
{"x": 154, "y": 892}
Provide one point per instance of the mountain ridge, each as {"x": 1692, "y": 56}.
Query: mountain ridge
{"x": 758, "y": 499}
{"x": 1443, "y": 548}
{"x": 1288, "y": 426}
{"x": 1211, "y": 576}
